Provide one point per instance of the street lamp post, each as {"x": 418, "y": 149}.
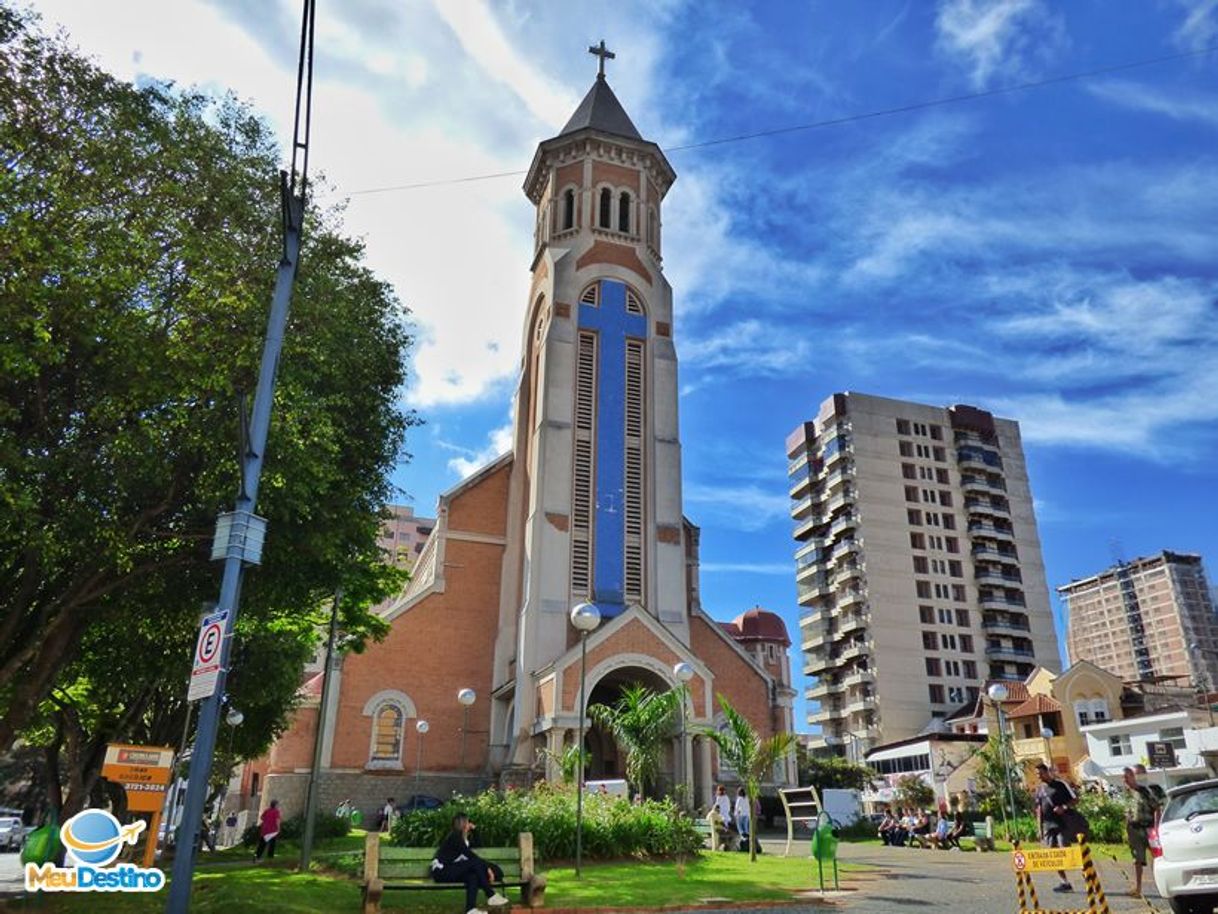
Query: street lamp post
{"x": 466, "y": 697}
{"x": 998, "y": 694}
{"x": 1047, "y": 734}
{"x": 421, "y": 727}
{"x": 585, "y": 617}
{"x": 683, "y": 673}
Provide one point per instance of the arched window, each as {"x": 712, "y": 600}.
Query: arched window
{"x": 387, "y": 733}
{"x": 606, "y": 213}
{"x": 568, "y": 210}
{"x": 623, "y": 213}
{"x": 1099, "y": 710}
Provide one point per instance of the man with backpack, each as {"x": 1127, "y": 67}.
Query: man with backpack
{"x": 1141, "y": 815}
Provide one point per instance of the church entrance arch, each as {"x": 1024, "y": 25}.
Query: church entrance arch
{"x": 605, "y": 759}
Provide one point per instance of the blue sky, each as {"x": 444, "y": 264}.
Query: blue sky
{"x": 1050, "y": 254}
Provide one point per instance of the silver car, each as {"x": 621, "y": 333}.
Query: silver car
{"x": 12, "y": 833}
{"x": 1185, "y": 848}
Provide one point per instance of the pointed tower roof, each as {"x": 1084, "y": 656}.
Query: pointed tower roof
{"x": 600, "y": 110}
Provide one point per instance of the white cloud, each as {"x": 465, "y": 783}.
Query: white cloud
{"x": 1200, "y": 25}
{"x": 499, "y": 442}
{"x": 752, "y": 347}
{"x": 998, "y": 38}
{"x": 746, "y": 507}
{"x": 777, "y": 568}
{"x": 1175, "y": 105}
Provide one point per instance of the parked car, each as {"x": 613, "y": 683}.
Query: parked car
{"x": 420, "y": 801}
{"x": 1185, "y": 847}
{"x": 12, "y": 833}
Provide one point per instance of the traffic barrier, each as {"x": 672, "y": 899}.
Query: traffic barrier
{"x": 1077, "y": 857}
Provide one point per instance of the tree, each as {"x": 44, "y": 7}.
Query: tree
{"x": 567, "y": 762}
{"x": 832, "y": 773}
{"x": 998, "y": 768}
{"x": 751, "y": 757}
{"x": 139, "y": 237}
{"x": 914, "y": 792}
{"x": 641, "y": 722}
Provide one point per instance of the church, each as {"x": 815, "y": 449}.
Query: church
{"x": 586, "y": 507}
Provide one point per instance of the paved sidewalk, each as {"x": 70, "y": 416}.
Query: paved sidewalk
{"x": 11, "y": 880}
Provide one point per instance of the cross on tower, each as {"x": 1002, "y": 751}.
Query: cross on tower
{"x": 599, "y": 50}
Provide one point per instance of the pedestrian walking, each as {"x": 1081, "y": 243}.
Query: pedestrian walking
{"x": 1055, "y": 813}
{"x": 387, "y": 811}
{"x": 1141, "y": 815}
{"x": 268, "y": 831}
{"x": 741, "y": 812}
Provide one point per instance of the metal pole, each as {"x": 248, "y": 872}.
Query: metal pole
{"x": 418, "y": 765}
{"x": 464, "y": 730}
{"x": 306, "y": 843}
{"x": 684, "y": 792}
{"x": 1006, "y": 766}
{"x": 579, "y": 780}
{"x": 173, "y": 796}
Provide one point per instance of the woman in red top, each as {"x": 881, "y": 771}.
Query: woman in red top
{"x": 268, "y": 831}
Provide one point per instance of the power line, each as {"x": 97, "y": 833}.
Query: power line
{"x": 848, "y": 119}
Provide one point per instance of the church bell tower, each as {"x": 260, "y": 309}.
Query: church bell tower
{"x": 598, "y": 475}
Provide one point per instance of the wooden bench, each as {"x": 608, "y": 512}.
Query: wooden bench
{"x": 707, "y": 831}
{"x": 388, "y": 868}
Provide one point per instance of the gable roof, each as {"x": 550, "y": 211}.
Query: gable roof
{"x": 1037, "y": 704}
{"x": 600, "y": 110}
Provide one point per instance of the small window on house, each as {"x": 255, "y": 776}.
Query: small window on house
{"x": 606, "y": 209}
{"x": 568, "y": 210}
{"x": 623, "y": 213}
{"x": 1175, "y": 736}
{"x": 1099, "y": 710}
{"x": 1119, "y": 745}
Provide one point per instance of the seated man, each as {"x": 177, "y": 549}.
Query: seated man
{"x": 939, "y": 837}
{"x": 921, "y": 829}
{"x": 956, "y": 832}
{"x": 887, "y": 830}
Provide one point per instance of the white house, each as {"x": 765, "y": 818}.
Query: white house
{"x": 1115, "y": 745}
{"x": 945, "y": 761}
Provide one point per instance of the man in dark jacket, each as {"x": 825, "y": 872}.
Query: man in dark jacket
{"x": 1055, "y": 801}
{"x": 455, "y": 861}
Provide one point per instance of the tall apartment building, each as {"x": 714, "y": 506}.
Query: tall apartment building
{"x": 1145, "y": 619}
{"x": 918, "y": 564}
{"x": 404, "y": 535}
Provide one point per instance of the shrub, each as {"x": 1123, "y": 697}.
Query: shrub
{"x": 325, "y": 825}
{"x": 612, "y": 828}
{"x": 1105, "y": 815}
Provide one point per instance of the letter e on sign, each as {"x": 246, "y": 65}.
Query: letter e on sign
{"x": 208, "y": 651}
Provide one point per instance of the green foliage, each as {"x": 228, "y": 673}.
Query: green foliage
{"x": 914, "y": 792}
{"x": 832, "y": 773}
{"x": 752, "y": 758}
{"x": 613, "y": 828}
{"x": 992, "y": 798}
{"x": 325, "y": 825}
{"x": 567, "y": 762}
{"x": 1105, "y": 815}
{"x": 641, "y": 723}
{"x": 141, "y": 233}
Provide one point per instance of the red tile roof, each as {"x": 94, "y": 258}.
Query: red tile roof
{"x": 1037, "y": 704}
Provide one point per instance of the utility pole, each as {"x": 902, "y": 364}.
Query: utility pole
{"x": 306, "y": 843}
{"x": 239, "y": 533}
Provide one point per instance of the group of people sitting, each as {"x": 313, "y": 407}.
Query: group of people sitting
{"x": 924, "y": 828}
{"x": 730, "y": 821}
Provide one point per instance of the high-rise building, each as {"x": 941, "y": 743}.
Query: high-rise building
{"x": 1148, "y": 618}
{"x": 918, "y": 565}
{"x": 404, "y": 535}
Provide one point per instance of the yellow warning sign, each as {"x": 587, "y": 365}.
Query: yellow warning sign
{"x": 1034, "y": 860}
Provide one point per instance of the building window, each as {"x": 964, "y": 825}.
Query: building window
{"x": 949, "y": 522}
{"x": 906, "y": 448}
{"x": 914, "y": 516}
{"x": 933, "y": 667}
{"x": 927, "y": 615}
{"x": 949, "y": 642}
{"x": 387, "y": 733}
{"x": 945, "y": 617}
{"x": 955, "y": 695}
{"x": 568, "y": 210}
{"x": 955, "y": 569}
{"x": 606, "y": 209}
{"x": 945, "y": 498}
{"x": 917, "y": 541}
{"x": 940, "y": 454}
{"x": 941, "y": 476}
{"x": 623, "y": 213}
{"x": 1082, "y": 710}
{"x": 936, "y": 432}
{"x": 1175, "y": 736}
{"x": 908, "y": 471}
{"x": 970, "y": 669}
{"x": 911, "y": 493}
{"x": 962, "y": 618}
{"x": 966, "y": 644}
{"x": 902, "y": 426}
{"x": 930, "y": 641}
{"x": 1099, "y": 710}
{"x": 958, "y": 593}
{"x": 951, "y": 544}
{"x": 936, "y": 693}
{"x": 1119, "y": 745}
{"x": 919, "y": 564}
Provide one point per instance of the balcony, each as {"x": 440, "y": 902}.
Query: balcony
{"x": 841, "y": 471}
{"x": 809, "y": 568}
{"x": 859, "y": 704}
{"x": 978, "y": 457}
{"x": 851, "y": 598}
{"x": 1035, "y": 748}
{"x": 995, "y": 555}
{"x": 805, "y": 528}
{"x": 1009, "y": 652}
{"x": 800, "y": 486}
{"x": 823, "y": 740}
{"x": 991, "y": 574}
{"x": 1000, "y": 601}
{"x": 979, "y": 528}
{"x": 809, "y": 591}
{"x": 824, "y": 689}
{"x": 973, "y": 483}
{"x": 817, "y": 663}
{"x": 818, "y": 639}
{"x": 845, "y": 522}
{"x": 831, "y": 712}
{"x": 852, "y": 623}
{"x": 840, "y": 500}
{"x": 844, "y": 573}
{"x": 859, "y": 677}
{"x": 1008, "y": 623}
{"x": 855, "y": 649}
{"x": 802, "y": 508}
{"x": 986, "y": 506}
{"x": 846, "y": 547}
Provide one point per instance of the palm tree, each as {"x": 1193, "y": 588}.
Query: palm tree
{"x": 640, "y": 722}
{"x": 566, "y": 761}
{"x": 752, "y": 758}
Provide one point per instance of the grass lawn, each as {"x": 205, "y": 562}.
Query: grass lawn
{"x": 279, "y": 890}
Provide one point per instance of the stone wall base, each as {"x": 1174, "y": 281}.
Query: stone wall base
{"x": 366, "y": 790}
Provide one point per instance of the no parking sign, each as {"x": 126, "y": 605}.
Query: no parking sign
{"x": 208, "y": 650}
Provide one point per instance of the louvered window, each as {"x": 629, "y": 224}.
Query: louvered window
{"x": 633, "y": 305}
{"x": 590, "y": 296}
{"x": 584, "y": 468}
{"x": 633, "y": 502}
